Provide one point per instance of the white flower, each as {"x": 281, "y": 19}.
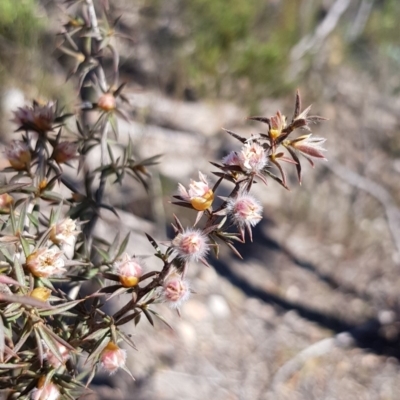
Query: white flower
{"x": 64, "y": 232}
{"x": 45, "y": 262}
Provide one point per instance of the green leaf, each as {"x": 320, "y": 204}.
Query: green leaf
{"x": 99, "y": 347}
{"x": 19, "y": 272}
{"x": 114, "y": 246}
{"x": 151, "y": 160}
{"x": 49, "y": 342}
{"x": 160, "y": 318}
{"x": 127, "y": 339}
{"x": 104, "y": 254}
{"x": 34, "y": 219}
{"x": 25, "y": 246}
{"x": 114, "y": 125}
{"x": 50, "y": 195}
{"x": 22, "y": 217}
{"x": 2, "y": 340}
{"x": 58, "y": 338}
{"x": 39, "y": 345}
{"x": 96, "y": 335}
{"x": 60, "y": 309}
{"x": 13, "y": 366}
{"x": 123, "y": 246}
{"x": 43, "y": 239}
{"x": 12, "y": 187}
{"x": 108, "y": 207}
{"x": 148, "y": 315}
{"x": 153, "y": 242}
{"x": 12, "y": 218}
{"x": 23, "y": 336}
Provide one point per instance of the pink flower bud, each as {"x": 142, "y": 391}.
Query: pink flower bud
{"x": 129, "y": 270}
{"x": 245, "y": 210}
{"x": 65, "y": 151}
{"x": 107, "y": 102}
{"x": 200, "y": 195}
{"x": 191, "y": 245}
{"x": 175, "y": 290}
{"x": 44, "y": 263}
{"x": 112, "y": 357}
{"x": 278, "y": 123}
{"x": 18, "y": 154}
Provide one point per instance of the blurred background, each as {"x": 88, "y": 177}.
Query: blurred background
{"x": 312, "y": 312}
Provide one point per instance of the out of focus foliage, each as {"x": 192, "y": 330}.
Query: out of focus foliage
{"x": 20, "y": 29}
{"x": 237, "y": 49}
{"x": 232, "y": 48}
{"x": 18, "y": 23}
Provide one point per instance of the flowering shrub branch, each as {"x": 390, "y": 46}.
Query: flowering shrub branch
{"x": 48, "y": 245}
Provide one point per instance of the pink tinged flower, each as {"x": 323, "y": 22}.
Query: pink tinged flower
{"x": 65, "y": 151}
{"x": 44, "y": 263}
{"x": 64, "y": 232}
{"x": 112, "y": 358}
{"x": 53, "y": 360}
{"x": 245, "y": 211}
{"x": 191, "y": 245}
{"x": 200, "y": 195}
{"x": 309, "y": 145}
{"x": 231, "y": 159}
{"x": 253, "y": 157}
{"x": 45, "y": 392}
{"x": 175, "y": 290}
{"x": 129, "y": 269}
{"x": 18, "y": 154}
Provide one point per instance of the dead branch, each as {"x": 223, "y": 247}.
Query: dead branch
{"x": 392, "y": 212}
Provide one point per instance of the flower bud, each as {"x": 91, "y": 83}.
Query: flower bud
{"x": 44, "y": 263}
{"x": 52, "y": 359}
{"x": 64, "y": 152}
{"x": 129, "y": 270}
{"x": 175, "y": 290}
{"x": 112, "y": 357}
{"x": 200, "y": 195}
{"x": 64, "y": 232}
{"x": 191, "y": 244}
{"x": 39, "y": 117}
{"x": 107, "y": 102}
{"x": 18, "y": 154}
{"x": 45, "y": 391}
{"x": 5, "y": 202}
{"x": 41, "y": 293}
